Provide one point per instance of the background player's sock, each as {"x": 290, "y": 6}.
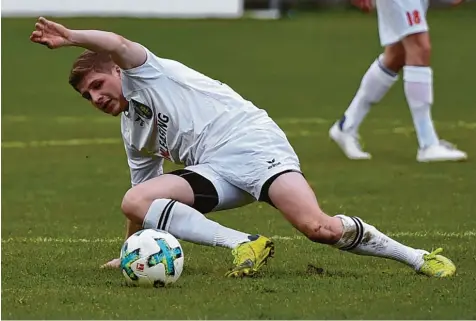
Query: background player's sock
{"x": 375, "y": 84}
{"x": 186, "y": 223}
{"x": 364, "y": 239}
{"x": 418, "y": 85}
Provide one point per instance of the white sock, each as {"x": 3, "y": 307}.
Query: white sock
{"x": 375, "y": 84}
{"x": 418, "y": 84}
{"x": 364, "y": 239}
{"x": 186, "y": 223}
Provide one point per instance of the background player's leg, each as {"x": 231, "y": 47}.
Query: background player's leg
{"x": 418, "y": 85}
{"x": 377, "y": 81}
{"x": 165, "y": 202}
{"x": 293, "y": 196}
{"x": 418, "y": 80}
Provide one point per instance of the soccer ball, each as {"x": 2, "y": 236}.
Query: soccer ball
{"x": 151, "y": 258}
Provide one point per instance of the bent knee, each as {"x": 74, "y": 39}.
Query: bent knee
{"x": 394, "y": 57}
{"x": 134, "y": 205}
{"x": 319, "y": 233}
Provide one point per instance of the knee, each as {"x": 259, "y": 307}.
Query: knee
{"x": 132, "y": 205}
{"x": 394, "y": 57}
{"x": 418, "y": 50}
{"x": 394, "y": 61}
{"x": 420, "y": 54}
{"x": 317, "y": 232}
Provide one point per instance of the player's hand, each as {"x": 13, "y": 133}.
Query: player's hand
{"x": 364, "y": 5}
{"x": 113, "y": 264}
{"x": 51, "y": 34}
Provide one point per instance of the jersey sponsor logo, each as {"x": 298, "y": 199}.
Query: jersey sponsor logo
{"x": 140, "y": 121}
{"x": 142, "y": 110}
{"x": 162, "y": 125}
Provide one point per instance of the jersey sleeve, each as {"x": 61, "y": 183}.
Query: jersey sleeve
{"x": 143, "y": 168}
{"x": 143, "y": 76}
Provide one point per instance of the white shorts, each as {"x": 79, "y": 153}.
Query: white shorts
{"x": 239, "y": 169}
{"x": 400, "y": 18}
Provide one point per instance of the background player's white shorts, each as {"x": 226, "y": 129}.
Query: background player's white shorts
{"x": 400, "y": 18}
{"x": 239, "y": 169}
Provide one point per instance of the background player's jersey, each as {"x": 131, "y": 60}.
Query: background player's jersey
{"x": 178, "y": 114}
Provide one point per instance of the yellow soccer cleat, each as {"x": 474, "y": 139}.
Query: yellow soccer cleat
{"x": 251, "y": 256}
{"x": 437, "y": 265}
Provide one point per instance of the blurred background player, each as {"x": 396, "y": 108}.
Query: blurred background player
{"x": 404, "y": 34}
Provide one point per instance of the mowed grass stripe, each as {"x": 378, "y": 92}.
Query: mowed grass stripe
{"x": 421, "y": 234}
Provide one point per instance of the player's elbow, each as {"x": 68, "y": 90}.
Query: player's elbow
{"x": 128, "y": 54}
{"x": 121, "y": 45}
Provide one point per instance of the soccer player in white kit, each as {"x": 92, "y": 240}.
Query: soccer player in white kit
{"x": 233, "y": 154}
{"x": 404, "y": 34}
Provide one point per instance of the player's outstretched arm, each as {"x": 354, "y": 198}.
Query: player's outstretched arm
{"x": 125, "y": 53}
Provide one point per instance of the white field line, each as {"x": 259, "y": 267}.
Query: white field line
{"x": 115, "y": 120}
{"x": 117, "y": 141}
{"x": 282, "y": 121}
{"x": 94, "y": 141}
{"x": 395, "y": 128}
{"x": 63, "y": 143}
{"x": 422, "y": 234}
{"x": 101, "y": 141}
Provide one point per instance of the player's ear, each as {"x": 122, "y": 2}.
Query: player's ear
{"x": 117, "y": 69}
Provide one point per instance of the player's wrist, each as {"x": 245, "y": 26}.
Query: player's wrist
{"x": 73, "y": 38}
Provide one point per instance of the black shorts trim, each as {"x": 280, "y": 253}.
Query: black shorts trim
{"x": 264, "y": 195}
{"x": 205, "y": 193}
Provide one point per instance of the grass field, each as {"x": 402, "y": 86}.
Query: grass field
{"x": 64, "y": 173}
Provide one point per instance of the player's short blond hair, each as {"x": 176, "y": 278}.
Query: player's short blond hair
{"x": 89, "y": 61}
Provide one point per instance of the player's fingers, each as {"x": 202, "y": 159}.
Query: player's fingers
{"x": 109, "y": 266}
{"x": 42, "y": 20}
{"x": 113, "y": 264}
{"x": 366, "y": 6}
{"x": 36, "y": 39}
{"x": 36, "y": 34}
{"x": 46, "y": 43}
{"x": 39, "y": 26}
{"x": 47, "y": 23}
{"x": 41, "y": 41}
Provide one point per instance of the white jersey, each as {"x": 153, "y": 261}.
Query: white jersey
{"x": 179, "y": 114}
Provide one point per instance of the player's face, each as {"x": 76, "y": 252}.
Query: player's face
{"x": 104, "y": 91}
